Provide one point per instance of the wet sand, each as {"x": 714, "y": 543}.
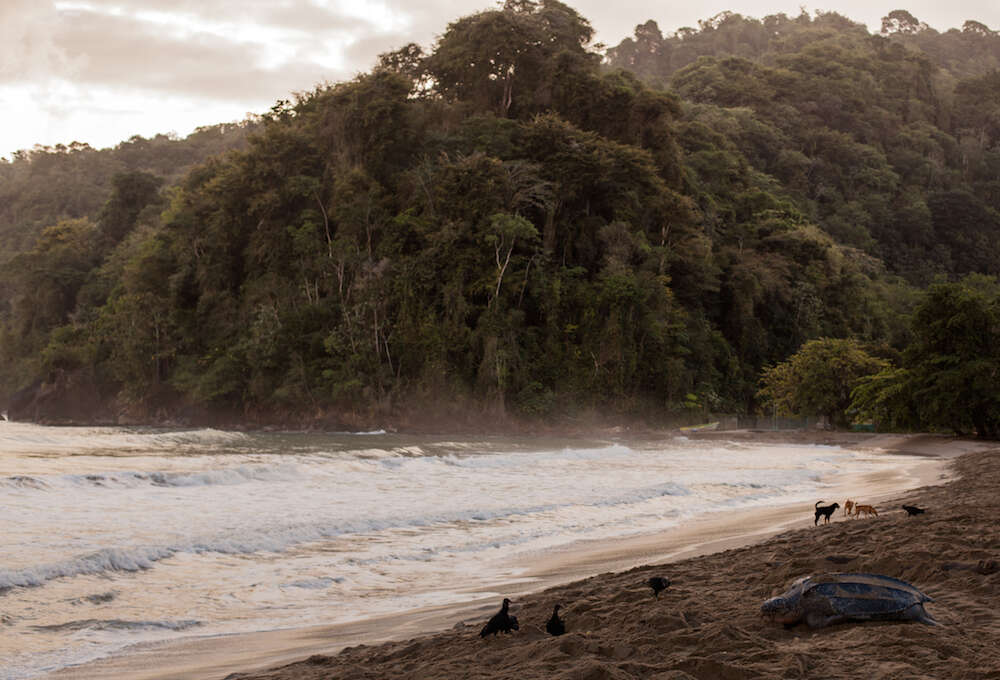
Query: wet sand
{"x": 706, "y": 625}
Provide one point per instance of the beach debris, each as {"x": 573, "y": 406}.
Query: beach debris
{"x": 658, "y": 584}
{"x": 501, "y": 622}
{"x": 840, "y": 559}
{"x": 983, "y": 567}
{"x": 987, "y": 567}
{"x": 834, "y": 598}
{"x": 912, "y": 510}
{"x": 555, "y": 625}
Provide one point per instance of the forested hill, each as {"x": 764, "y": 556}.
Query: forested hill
{"x": 508, "y": 225}
{"x": 42, "y": 185}
{"x": 888, "y": 142}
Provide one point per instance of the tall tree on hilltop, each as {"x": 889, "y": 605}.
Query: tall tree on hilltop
{"x": 901, "y": 21}
{"x": 502, "y": 60}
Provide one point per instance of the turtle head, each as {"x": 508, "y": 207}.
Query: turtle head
{"x": 787, "y": 607}
{"x": 781, "y": 609}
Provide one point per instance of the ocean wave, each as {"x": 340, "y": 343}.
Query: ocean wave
{"x": 96, "y": 598}
{"x": 98, "y": 562}
{"x": 416, "y": 455}
{"x": 172, "y": 438}
{"x": 281, "y": 538}
{"x": 366, "y": 433}
{"x": 397, "y": 453}
{"x": 30, "y": 438}
{"x": 22, "y": 482}
{"x": 115, "y": 624}
{"x": 645, "y": 494}
{"x": 139, "y": 558}
{"x": 240, "y": 474}
{"x": 228, "y": 476}
{"x": 314, "y": 583}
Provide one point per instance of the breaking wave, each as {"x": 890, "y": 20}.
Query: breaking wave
{"x": 116, "y": 624}
{"x": 277, "y": 540}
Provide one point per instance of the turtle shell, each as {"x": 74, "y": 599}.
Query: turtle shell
{"x": 831, "y": 598}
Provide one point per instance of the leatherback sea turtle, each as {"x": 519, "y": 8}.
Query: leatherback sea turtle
{"x": 833, "y": 598}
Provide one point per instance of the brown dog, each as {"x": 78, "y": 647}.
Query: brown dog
{"x": 867, "y": 509}
{"x": 848, "y": 506}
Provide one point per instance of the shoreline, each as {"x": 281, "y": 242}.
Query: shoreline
{"x": 219, "y": 656}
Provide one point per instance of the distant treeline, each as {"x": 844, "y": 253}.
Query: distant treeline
{"x": 513, "y": 224}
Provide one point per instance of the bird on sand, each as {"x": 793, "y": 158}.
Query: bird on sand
{"x": 658, "y": 583}
{"x": 501, "y": 622}
{"x": 555, "y": 625}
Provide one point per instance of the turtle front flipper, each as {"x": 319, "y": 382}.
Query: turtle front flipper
{"x": 821, "y": 620}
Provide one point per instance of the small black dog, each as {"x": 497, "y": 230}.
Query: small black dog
{"x": 824, "y": 512}
{"x": 912, "y": 510}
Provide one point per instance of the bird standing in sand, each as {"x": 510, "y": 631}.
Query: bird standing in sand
{"x": 501, "y": 622}
{"x": 658, "y": 583}
{"x": 555, "y": 625}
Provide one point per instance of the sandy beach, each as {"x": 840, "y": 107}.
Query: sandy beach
{"x": 707, "y": 624}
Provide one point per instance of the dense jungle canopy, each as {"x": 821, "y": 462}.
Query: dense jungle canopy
{"x": 515, "y": 224}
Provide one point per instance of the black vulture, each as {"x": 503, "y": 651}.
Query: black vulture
{"x": 658, "y": 583}
{"x": 500, "y": 622}
{"x": 555, "y": 625}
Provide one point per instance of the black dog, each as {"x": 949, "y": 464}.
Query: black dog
{"x": 912, "y": 510}
{"x": 824, "y": 512}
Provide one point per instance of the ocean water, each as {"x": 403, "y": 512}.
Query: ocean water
{"x": 116, "y": 536}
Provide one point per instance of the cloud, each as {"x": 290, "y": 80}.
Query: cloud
{"x": 246, "y": 51}
{"x": 102, "y": 70}
{"x": 251, "y": 49}
{"x": 28, "y": 50}
{"x": 301, "y": 15}
{"x": 130, "y": 53}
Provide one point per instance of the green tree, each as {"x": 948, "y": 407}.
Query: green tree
{"x": 950, "y": 370}
{"x": 131, "y": 193}
{"x": 819, "y": 378}
{"x": 502, "y": 60}
{"x": 901, "y": 21}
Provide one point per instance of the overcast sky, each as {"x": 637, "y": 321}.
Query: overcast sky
{"x": 101, "y": 71}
